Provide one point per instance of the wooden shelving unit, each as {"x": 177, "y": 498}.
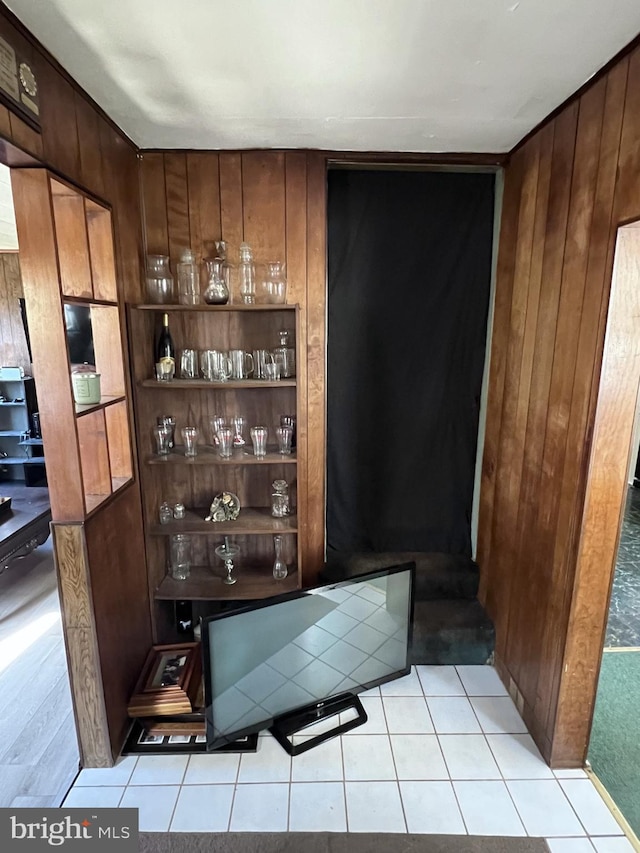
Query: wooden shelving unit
{"x": 194, "y": 481}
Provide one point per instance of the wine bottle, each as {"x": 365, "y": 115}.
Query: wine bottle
{"x": 165, "y": 352}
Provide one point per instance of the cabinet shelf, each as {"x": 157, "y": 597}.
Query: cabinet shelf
{"x": 205, "y": 584}
{"x": 30, "y": 442}
{"x": 13, "y": 404}
{"x": 168, "y": 308}
{"x": 93, "y": 407}
{"x": 252, "y": 520}
{"x": 231, "y": 384}
{"x": 21, "y": 460}
{"x": 208, "y": 455}
{"x": 11, "y": 433}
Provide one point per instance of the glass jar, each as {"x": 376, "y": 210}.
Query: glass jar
{"x": 217, "y": 291}
{"x": 165, "y": 513}
{"x": 179, "y": 511}
{"x": 285, "y": 356}
{"x": 188, "y": 279}
{"x": 180, "y": 556}
{"x": 280, "y": 499}
{"x": 159, "y": 279}
{"x": 246, "y": 275}
{"x": 273, "y": 288}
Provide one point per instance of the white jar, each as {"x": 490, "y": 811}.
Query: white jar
{"x": 86, "y": 386}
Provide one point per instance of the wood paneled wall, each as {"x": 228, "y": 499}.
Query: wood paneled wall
{"x": 566, "y": 190}
{"x": 13, "y": 342}
{"x": 275, "y": 201}
{"x": 79, "y": 143}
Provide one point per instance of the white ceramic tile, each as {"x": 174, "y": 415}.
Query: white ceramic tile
{"x": 407, "y": 715}
{"x": 498, "y": 715}
{"x": 203, "y": 808}
{"x": 619, "y": 844}
{"x": 212, "y": 768}
{"x": 453, "y": 715}
{"x": 159, "y": 770}
{"x": 544, "y": 809}
{"x": 98, "y": 798}
{"x": 418, "y": 757}
{"x": 317, "y": 807}
{"x": 155, "y": 804}
{"x": 468, "y": 757}
{"x": 376, "y": 721}
{"x": 407, "y": 685}
{"x": 518, "y": 757}
{"x": 570, "y": 773}
{"x": 570, "y": 845}
{"x": 119, "y": 774}
{"x": 367, "y": 757}
{"x": 431, "y": 807}
{"x": 487, "y": 809}
{"x": 322, "y": 763}
{"x": 374, "y": 807}
{"x": 270, "y": 763}
{"x": 481, "y": 681}
{"x": 374, "y": 691}
{"x": 260, "y": 808}
{"x": 590, "y": 807}
{"x": 440, "y": 681}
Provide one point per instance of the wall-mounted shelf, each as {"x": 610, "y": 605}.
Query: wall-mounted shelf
{"x": 231, "y": 385}
{"x": 105, "y": 401}
{"x": 205, "y": 584}
{"x": 251, "y": 521}
{"x": 215, "y": 309}
{"x": 208, "y": 455}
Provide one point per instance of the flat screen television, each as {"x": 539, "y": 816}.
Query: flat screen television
{"x": 286, "y": 662}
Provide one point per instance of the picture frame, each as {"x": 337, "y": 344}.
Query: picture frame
{"x": 168, "y": 668}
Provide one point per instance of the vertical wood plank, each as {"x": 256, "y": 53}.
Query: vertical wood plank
{"x": 154, "y": 201}
{"x": 263, "y": 204}
{"x": 175, "y": 170}
{"x": 628, "y": 185}
{"x": 231, "y": 216}
{"x": 203, "y": 181}
{"x": 89, "y": 145}
{"x": 59, "y": 124}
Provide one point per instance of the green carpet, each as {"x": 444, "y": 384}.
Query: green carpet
{"x": 614, "y": 749}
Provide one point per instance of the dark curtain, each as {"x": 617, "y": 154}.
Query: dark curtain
{"x": 409, "y": 277}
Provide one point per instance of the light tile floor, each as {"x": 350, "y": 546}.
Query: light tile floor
{"x": 444, "y": 751}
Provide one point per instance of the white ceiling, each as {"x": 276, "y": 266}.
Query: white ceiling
{"x": 386, "y": 75}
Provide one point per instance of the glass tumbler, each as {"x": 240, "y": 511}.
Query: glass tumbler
{"x": 216, "y": 422}
{"x": 170, "y": 421}
{"x": 239, "y": 424}
{"x": 284, "y": 435}
{"x": 162, "y": 434}
{"x": 190, "y": 440}
{"x": 259, "y": 438}
{"x": 180, "y": 556}
{"x": 159, "y": 279}
{"x": 225, "y": 442}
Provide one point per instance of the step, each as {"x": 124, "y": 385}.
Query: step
{"x": 451, "y": 632}
{"x": 438, "y": 576}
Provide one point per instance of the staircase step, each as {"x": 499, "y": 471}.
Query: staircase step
{"x": 438, "y": 576}
{"x": 451, "y": 632}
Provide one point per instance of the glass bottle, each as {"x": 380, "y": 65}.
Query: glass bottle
{"x": 180, "y": 556}
{"x": 188, "y": 279}
{"x": 279, "y": 566}
{"x": 274, "y": 287}
{"x": 159, "y": 279}
{"x": 285, "y": 356}
{"x": 165, "y": 356}
{"x": 247, "y": 275}
{"x": 217, "y": 292}
{"x": 165, "y": 513}
{"x": 280, "y": 499}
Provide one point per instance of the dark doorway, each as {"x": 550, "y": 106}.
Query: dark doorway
{"x": 409, "y": 280}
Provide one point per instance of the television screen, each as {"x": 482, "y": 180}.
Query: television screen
{"x": 283, "y": 654}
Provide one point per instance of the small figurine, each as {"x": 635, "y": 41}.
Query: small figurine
{"x": 224, "y": 507}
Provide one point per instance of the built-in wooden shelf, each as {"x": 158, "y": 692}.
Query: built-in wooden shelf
{"x": 231, "y": 384}
{"x": 208, "y": 455}
{"x": 22, "y": 460}
{"x": 252, "y": 520}
{"x": 205, "y": 584}
{"x": 11, "y": 433}
{"x": 12, "y": 404}
{"x": 93, "y": 407}
{"x": 166, "y": 308}
{"x": 30, "y": 442}
{"x": 92, "y": 502}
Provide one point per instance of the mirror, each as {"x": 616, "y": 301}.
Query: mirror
{"x": 77, "y": 320}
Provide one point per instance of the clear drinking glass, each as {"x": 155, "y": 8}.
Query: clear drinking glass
{"x": 272, "y": 372}
{"x": 247, "y": 275}
{"x": 215, "y": 423}
{"x": 170, "y": 421}
{"x": 162, "y": 434}
{"x": 188, "y": 278}
{"x": 259, "y": 438}
{"x": 289, "y": 420}
{"x": 239, "y": 424}
{"x": 190, "y": 440}
{"x": 284, "y": 435}
{"x": 159, "y": 279}
{"x": 180, "y": 556}
{"x": 189, "y": 364}
{"x": 274, "y": 286}
{"x": 225, "y": 442}
{"x": 279, "y": 566}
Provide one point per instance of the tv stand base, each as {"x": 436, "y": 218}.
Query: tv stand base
{"x": 288, "y": 725}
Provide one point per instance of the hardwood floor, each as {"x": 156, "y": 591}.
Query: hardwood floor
{"x": 38, "y": 747}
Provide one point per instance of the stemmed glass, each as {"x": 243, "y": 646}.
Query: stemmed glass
{"x": 227, "y": 552}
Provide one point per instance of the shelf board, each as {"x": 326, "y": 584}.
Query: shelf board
{"x": 231, "y": 384}
{"x": 18, "y": 460}
{"x": 92, "y": 502}
{"x": 12, "y": 404}
{"x": 252, "y": 520}
{"x": 205, "y": 583}
{"x": 30, "y": 442}
{"x": 11, "y": 433}
{"x": 104, "y": 402}
{"x": 169, "y": 307}
{"x": 208, "y": 455}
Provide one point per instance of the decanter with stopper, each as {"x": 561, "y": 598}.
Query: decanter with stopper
{"x": 217, "y": 291}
